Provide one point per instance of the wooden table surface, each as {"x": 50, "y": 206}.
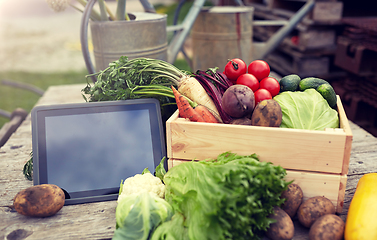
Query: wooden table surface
{"x": 97, "y": 220}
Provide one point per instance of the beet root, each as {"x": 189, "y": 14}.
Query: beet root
{"x": 238, "y": 101}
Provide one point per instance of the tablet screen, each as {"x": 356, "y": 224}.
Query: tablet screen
{"x": 88, "y": 149}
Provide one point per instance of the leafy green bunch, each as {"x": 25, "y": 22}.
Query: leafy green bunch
{"x": 225, "y": 198}
{"x": 124, "y": 78}
{"x": 136, "y": 78}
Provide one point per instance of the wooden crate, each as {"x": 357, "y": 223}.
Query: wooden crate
{"x": 317, "y": 160}
{"x": 288, "y": 61}
{"x": 308, "y": 38}
{"x": 355, "y": 57}
{"x": 323, "y": 11}
{"x": 327, "y": 11}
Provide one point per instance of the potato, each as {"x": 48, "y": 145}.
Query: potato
{"x": 267, "y": 113}
{"x": 241, "y": 121}
{"x": 314, "y": 208}
{"x": 283, "y": 228}
{"x": 39, "y": 201}
{"x": 327, "y": 227}
{"x": 293, "y": 196}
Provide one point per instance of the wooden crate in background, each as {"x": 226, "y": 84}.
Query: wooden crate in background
{"x": 288, "y": 61}
{"x": 308, "y": 50}
{"x": 330, "y": 10}
{"x": 316, "y": 160}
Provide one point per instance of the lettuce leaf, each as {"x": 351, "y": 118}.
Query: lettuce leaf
{"x": 229, "y": 197}
{"x": 306, "y": 110}
{"x": 171, "y": 230}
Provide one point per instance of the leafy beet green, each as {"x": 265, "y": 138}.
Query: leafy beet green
{"x": 215, "y": 83}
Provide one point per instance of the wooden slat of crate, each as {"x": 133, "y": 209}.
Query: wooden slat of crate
{"x": 316, "y": 38}
{"x": 353, "y": 56}
{"x": 344, "y": 124}
{"x": 327, "y": 11}
{"x": 332, "y": 186}
{"x": 320, "y": 151}
{"x": 312, "y": 41}
{"x": 322, "y": 11}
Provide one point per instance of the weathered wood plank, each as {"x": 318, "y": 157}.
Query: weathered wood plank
{"x": 86, "y": 221}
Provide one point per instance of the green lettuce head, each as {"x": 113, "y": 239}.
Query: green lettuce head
{"x": 138, "y": 215}
{"x": 229, "y": 197}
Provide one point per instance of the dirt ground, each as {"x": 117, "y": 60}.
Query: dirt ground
{"x": 34, "y": 38}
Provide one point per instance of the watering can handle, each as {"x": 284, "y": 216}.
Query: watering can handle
{"x": 84, "y": 37}
{"x": 175, "y": 44}
{"x": 148, "y": 7}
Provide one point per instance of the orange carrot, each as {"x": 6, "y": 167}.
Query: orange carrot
{"x": 206, "y": 114}
{"x": 184, "y": 107}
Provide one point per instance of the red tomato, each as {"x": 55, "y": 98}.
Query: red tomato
{"x": 249, "y": 80}
{"x": 261, "y": 94}
{"x": 271, "y": 84}
{"x": 259, "y": 68}
{"x": 235, "y": 68}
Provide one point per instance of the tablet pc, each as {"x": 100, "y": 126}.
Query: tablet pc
{"x": 88, "y": 148}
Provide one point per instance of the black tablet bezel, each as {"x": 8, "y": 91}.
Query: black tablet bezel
{"x": 39, "y": 114}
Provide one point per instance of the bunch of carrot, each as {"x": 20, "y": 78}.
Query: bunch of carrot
{"x": 191, "y": 110}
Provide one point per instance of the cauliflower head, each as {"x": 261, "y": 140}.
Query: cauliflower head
{"x": 142, "y": 183}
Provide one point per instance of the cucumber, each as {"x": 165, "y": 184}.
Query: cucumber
{"x": 289, "y": 83}
{"x": 328, "y": 93}
{"x": 311, "y": 82}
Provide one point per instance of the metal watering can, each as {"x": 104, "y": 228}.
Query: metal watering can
{"x": 181, "y": 31}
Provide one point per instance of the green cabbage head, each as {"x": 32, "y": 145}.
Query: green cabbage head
{"x": 306, "y": 110}
{"x": 138, "y": 215}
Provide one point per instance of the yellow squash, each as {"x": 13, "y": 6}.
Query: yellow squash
{"x": 362, "y": 214}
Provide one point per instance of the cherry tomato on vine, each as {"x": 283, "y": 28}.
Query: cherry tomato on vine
{"x": 271, "y": 84}
{"x": 259, "y": 68}
{"x": 249, "y": 80}
{"x": 235, "y": 68}
{"x": 261, "y": 94}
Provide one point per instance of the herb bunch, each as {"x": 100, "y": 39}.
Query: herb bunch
{"x": 136, "y": 78}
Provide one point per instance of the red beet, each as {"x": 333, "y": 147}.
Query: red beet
{"x": 238, "y": 101}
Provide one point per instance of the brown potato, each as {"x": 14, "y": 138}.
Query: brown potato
{"x": 267, "y": 113}
{"x": 327, "y": 227}
{"x": 39, "y": 201}
{"x": 283, "y": 228}
{"x": 314, "y": 208}
{"x": 241, "y": 121}
{"x": 293, "y": 196}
